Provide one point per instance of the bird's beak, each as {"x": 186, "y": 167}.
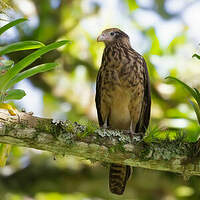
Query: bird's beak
{"x": 101, "y": 38}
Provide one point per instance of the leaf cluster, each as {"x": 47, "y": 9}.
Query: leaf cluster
{"x": 11, "y": 73}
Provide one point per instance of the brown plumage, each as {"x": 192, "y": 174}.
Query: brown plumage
{"x": 123, "y": 98}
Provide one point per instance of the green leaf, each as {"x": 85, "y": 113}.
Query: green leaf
{"x": 155, "y": 44}
{"x": 4, "y": 153}
{"x": 30, "y": 72}
{"x": 27, "y": 61}
{"x": 198, "y": 96}
{"x": 196, "y": 109}
{"x": 195, "y": 93}
{"x": 14, "y": 94}
{"x": 157, "y": 134}
{"x": 11, "y": 24}
{"x": 188, "y": 88}
{"x": 132, "y": 4}
{"x": 5, "y": 65}
{"x": 177, "y": 41}
{"x": 196, "y": 55}
{"x": 19, "y": 46}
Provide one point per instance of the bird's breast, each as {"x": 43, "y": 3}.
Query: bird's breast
{"x": 120, "y": 86}
{"x": 119, "y": 112}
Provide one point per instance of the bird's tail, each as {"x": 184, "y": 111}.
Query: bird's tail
{"x": 118, "y": 177}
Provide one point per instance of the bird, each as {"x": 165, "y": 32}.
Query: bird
{"x": 123, "y": 97}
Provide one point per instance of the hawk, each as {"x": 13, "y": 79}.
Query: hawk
{"x": 123, "y": 98}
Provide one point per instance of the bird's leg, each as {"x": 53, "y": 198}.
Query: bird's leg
{"x": 132, "y": 133}
{"x": 105, "y": 125}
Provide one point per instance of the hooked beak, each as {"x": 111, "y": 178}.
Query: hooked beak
{"x": 101, "y": 38}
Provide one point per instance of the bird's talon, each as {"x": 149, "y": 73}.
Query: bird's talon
{"x": 131, "y": 134}
{"x": 138, "y": 136}
{"x": 134, "y": 137}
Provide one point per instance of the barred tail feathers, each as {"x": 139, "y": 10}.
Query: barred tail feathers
{"x": 118, "y": 177}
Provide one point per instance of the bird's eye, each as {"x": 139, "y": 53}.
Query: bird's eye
{"x": 112, "y": 33}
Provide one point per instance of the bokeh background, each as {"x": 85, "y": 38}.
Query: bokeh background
{"x": 166, "y": 32}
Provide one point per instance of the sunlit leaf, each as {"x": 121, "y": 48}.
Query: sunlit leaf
{"x": 30, "y": 72}
{"x": 132, "y": 4}
{"x": 19, "y": 46}
{"x": 198, "y": 96}
{"x": 188, "y": 88}
{"x": 178, "y": 40}
{"x": 184, "y": 191}
{"x": 27, "y": 61}
{"x": 192, "y": 137}
{"x": 157, "y": 134}
{"x": 11, "y": 109}
{"x": 14, "y": 94}
{"x": 155, "y": 45}
{"x": 59, "y": 196}
{"x": 152, "y": 134}
{"x": 175, "y": 113}
{"x": 197, "y": 56}
{"x": 11, "y": 24}
{"x": 196, "y": 109}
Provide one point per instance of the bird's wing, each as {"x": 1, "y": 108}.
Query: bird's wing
{"x": 143, "y": 122}
{"x": 98, "y": 97}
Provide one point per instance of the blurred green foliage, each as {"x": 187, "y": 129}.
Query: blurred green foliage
{"x": 10, "y": 73}
{"x": 68, "y": 93}
{"x": 194, "y": 93}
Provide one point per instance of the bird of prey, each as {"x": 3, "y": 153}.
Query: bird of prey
{"x": 123, "y": 99}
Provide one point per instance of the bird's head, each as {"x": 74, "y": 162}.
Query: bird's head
{"x": 113, "y": 35}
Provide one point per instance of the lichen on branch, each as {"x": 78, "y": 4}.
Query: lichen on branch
{"x": 90, "y": 142}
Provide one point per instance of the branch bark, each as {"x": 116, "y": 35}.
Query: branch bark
{"x": 89, "y": 142}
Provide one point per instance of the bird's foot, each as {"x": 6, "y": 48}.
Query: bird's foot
{"x": 135, "y": 137}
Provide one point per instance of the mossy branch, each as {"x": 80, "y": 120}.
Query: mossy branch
{"x": 67, "y": 138}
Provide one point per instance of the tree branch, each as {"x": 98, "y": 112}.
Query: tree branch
{"x": 89, "y": 142}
